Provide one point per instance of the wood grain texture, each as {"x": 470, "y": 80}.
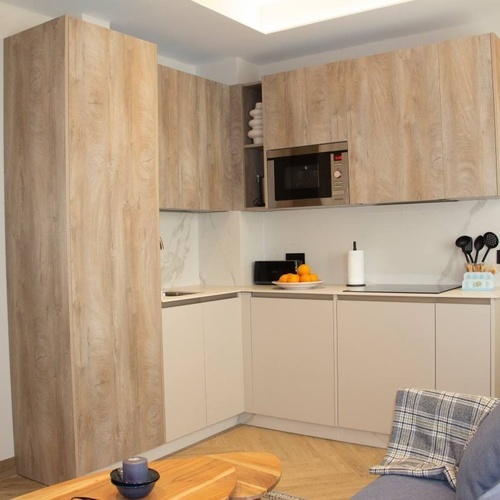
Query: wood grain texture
{"x": 468, "y": 117}
{"x": 238, "y": 197}
{"x": 312, "y": 468}
{"x": 305, "y": 106}
{"x": 83, "y": 256}
{"x": 394, "y": 122}
{"x": 194, "y": 131}
{"x": 237, "y": 475}
{"x": 168, "y": 150}
{"x": 114, "y": 242}
{"x": 37, "y": 252}
{"x": 195, "y": 478}
{"x": 495, "y": 56}
{"x": 256, "y": 472}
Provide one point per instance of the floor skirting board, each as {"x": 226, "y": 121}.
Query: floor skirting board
{"x": 316, "y": 430}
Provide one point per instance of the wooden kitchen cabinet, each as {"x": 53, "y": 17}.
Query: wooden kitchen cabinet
{"x": 469, "y": 71}
{"x": 383, "y": 345}
{"x": 293, "y": 358}
{"x": 423, "y": 122}
{"x": 305, "y": 106}
{"x": 394, "y": 125}
{"x": 81, "y": 197}
{"x": 194, "y": 153}
{"x": 203, "y": 364}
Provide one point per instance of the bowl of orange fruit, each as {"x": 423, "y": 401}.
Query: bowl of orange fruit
{"x": 303, "y": 279}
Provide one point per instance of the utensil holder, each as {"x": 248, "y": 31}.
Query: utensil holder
{"x": 478, "y": 282}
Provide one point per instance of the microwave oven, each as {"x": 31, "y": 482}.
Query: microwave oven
{"x": 308, "y": 176}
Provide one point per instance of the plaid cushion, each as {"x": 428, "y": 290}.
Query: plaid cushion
{"x": 430, "y": 431}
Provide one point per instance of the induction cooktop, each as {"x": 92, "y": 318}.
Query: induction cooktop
{"x": 402, "y": 288}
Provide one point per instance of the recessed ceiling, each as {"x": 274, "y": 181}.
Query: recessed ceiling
{"x": 270, "y": 16}
{"x": 190, "y": 33}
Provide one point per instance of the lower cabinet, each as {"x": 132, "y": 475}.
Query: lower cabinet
{"x": 203, "y": 365}
{"x": 382, "y": 346}
{"x": 223, "y": 359}
{"x": 316, "y": 360}
{"x": 293, "y": 358}
{"x": 464, "y": 343}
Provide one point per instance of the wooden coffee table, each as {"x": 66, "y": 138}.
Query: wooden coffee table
{"x": 234, "y": 476}
{"x": 257, "y": 473}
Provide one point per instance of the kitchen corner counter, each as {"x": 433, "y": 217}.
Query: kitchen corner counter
{"x": 204, "y": 293}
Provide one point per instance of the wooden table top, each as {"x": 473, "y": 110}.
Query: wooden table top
{"x": 235, "y": 476}
{"x": 257, "y": 473}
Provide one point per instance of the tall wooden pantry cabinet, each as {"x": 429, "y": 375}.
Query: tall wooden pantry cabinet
{"x": 83, "y": 267}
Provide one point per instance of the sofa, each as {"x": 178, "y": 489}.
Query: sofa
{"x": 440, "y": 451}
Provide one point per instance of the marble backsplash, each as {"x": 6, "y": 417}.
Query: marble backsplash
{"x": 412, "y": 243}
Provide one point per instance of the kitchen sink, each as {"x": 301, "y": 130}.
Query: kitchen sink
{"x": 176, "y": 294}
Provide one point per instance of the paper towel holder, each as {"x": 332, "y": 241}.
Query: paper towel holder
{"x": 355, "y": 267}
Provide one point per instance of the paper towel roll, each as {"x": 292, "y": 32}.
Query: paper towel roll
{"x": 356, "y": 268}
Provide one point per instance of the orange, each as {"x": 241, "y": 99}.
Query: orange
{"x": 305, "y": 277}
{"x": 314, "y": 277}
{"x": 283, "y": 278}
{"x": 293, "y": 278}
{"x": 303, "y": 269}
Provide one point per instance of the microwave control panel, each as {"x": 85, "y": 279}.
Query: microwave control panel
{"x": 340, "y": 178}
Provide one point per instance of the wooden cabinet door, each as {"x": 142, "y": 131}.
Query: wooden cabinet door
{"x": 82, "y": 101}
{"x": 463, "y": 347}
{"x": 223, "y": 359}
{"x": 293, "y": 359}
{"x": 114, "y": 254}
{"x": 178, "y": 133}
{"x": 468, "y": 104}
{"x": 194, "y": 154}
{"x": 394, "y": 124}
{"x": 184, "y": 370}
{"x": 382, "y": 346}
{"x": 304, "y": 106}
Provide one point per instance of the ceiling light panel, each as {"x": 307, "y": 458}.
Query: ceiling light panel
{"x": 270, "y": 16}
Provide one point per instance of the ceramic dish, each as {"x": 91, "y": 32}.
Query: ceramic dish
{"x": 134, "y": 490}
{"x": 298, "y": 286}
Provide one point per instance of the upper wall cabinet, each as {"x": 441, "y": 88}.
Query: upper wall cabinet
{"x": 469, "y": 78}
{"x": 423, "y": 123}
{"x": 194, "y": 155}
{"x": 305, "y": 106}
{"x": 394, "y": 122}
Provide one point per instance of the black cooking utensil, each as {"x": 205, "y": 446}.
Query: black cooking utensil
{"x": 468, "y": 249}
{"x": 478, "y": 245}
{"x": 490, "y": 241}
{"x": 464, "y": 242}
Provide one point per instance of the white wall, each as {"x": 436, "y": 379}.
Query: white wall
{"x": 402, "y": 243}
{"x": 412, "y": 243}
{"x": 12, "y": 20}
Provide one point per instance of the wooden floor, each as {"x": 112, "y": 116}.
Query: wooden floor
{"x": 312, "y": 468}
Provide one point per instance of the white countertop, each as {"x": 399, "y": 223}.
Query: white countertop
{"x": 206, "y": 291}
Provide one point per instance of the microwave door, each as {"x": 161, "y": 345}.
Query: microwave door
{"x": 303, "y": 180}
{"x": 307, "y": 176}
